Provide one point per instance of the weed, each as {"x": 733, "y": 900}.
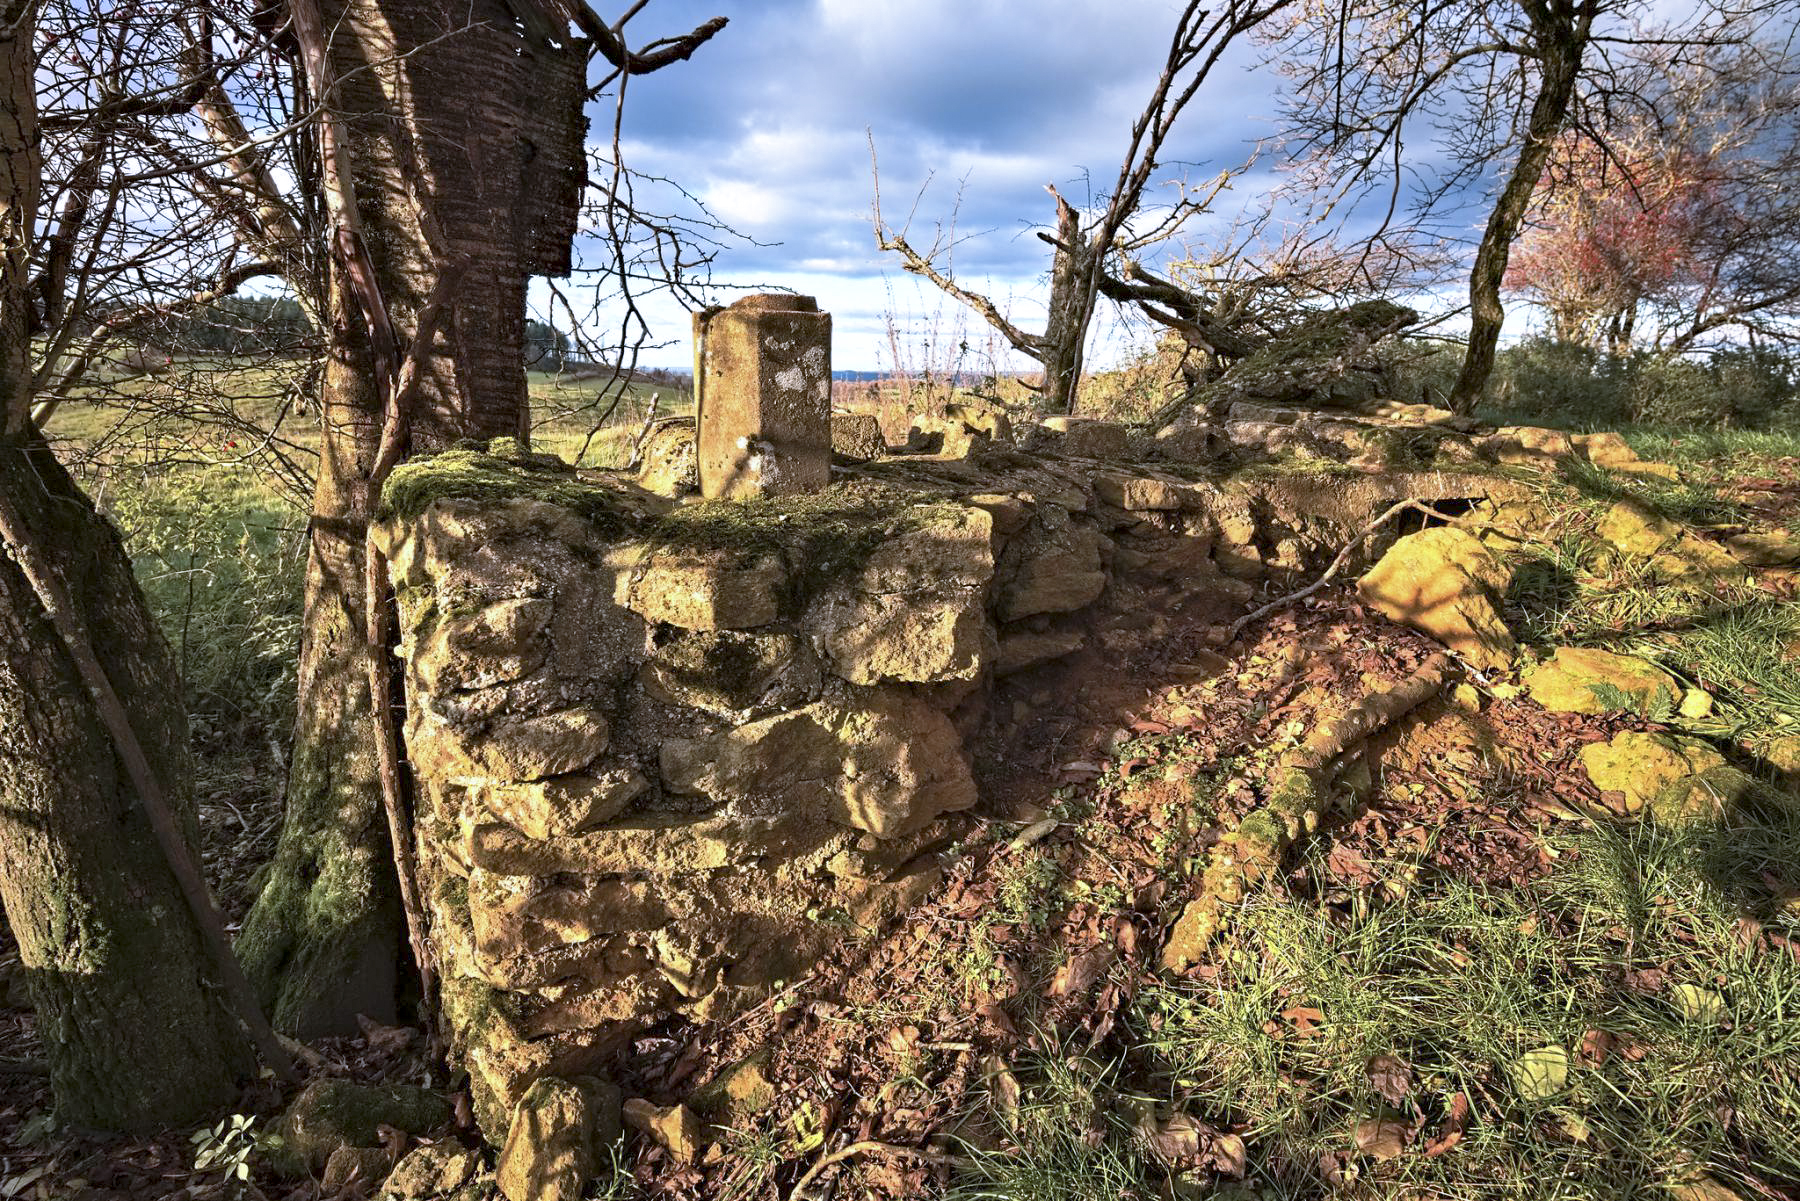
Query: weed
{"x": 1026, "y": 887}
{"x": 226, "y": 1148}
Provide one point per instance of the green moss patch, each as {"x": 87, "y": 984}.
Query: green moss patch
{"x": 822, "y": 538}
{"x": 337, "y": 1113}
{"x": 494, "y": 476}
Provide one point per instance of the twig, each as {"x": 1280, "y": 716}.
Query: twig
{"x": 1337, "y": 564}
{"x": 867, "y": 1147}
{"x": 396, "y": 428}
{"x": 637, "y": 443}
{"x": 180, "y": 858}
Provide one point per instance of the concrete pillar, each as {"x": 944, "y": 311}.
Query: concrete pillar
{"x": 762, "y": 379}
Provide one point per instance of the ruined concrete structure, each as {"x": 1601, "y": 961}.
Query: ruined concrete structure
{"x": 762, "y": 383}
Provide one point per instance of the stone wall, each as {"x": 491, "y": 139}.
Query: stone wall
{"x": 667, "y": 754}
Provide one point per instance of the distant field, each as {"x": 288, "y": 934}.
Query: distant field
{"x": 215, "y": 412}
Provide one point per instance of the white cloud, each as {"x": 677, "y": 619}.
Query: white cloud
{"x": 751, "y": 207}
{"x": 989, "y": 100}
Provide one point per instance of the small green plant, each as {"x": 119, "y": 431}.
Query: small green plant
{"x": 1025, "y": 890}
{"x": 226, "y": 1146}
{"x": 1658, "y": 707}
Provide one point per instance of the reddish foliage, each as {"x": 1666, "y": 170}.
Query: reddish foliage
{"x": 1612, "y": 228}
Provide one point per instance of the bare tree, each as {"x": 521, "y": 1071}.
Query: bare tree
{"x": 1270, "y": 270}
{"x": 1495, "y": 84}
{"x": 1086, "y": 246}
{"x": 161, "y": 205}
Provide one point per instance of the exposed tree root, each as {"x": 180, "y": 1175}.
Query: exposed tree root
{"x": 1253, "y": 851}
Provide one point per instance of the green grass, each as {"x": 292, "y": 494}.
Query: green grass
{"x": 221, "y": 557}
{"x": 1459, "y": 982}
{"x": 200, "y": 408}
{"x": 1730, "y": 636}
{"x": 1689, "y": 500}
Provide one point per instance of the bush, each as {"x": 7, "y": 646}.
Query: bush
{"x": 1675, "y": 392}
{"x": 1569, "y": 384}
{"x": 1419, "y": 371}
{"x": 1545, "y": 379}
{"x": 221, "y": 560}
{"x": 1763, "y": 384}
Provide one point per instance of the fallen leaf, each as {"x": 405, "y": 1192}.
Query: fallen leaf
{"x": 1005, "y": 1088}
{"x": 1381, "y": 1138}
{"x": 1697, "y": 1004}
{"x": 1305, "y": 1019}
{"x": 1596, "y": 1045}
{"x": 1075, "y": 976}
{"x": 1230, "y": 1156}
{"x": 998, "y": 1018}
{"x": 1540, "y": 1074}
{"x": 1347, "y": 865}
{"x": 385, "y": 1040}
{"x": 1451, "y": 1133}
{"x": 1177, "y": 1141}
{"x": 1390, "y": 1078}
{"x": 1702, "y": 1188}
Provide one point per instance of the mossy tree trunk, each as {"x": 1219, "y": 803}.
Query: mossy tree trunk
{"x": 134, "y": 1026}
{"x": 465, "y": 137}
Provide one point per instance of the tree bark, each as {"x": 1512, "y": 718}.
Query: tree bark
{"x": 464, "y": 135}
{"x": 1561, "y": 37}
{"x": 134, "y": 1024}
{"x": 1070, "y": 309}
{"x": 132, "y": 1017}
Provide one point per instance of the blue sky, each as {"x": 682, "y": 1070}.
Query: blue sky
{"x": 989, "y": 99}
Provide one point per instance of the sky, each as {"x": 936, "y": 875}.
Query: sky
{"x": 980, "y": 103}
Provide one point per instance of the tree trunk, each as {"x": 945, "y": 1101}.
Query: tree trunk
{"x": 465, "y": 136}
{"x": 1070, "y": 308}
{"x": 1562, "y": 39}
{"x": 134, "y": 1025}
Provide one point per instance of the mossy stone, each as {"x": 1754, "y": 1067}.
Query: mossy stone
{"x": 736, "y": 1094}
{"x": 494, "y": 476}
{"x": 1580, "y": 679}
{"x": 1639, "y": 766}
{"x": 329, "y": 1114}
